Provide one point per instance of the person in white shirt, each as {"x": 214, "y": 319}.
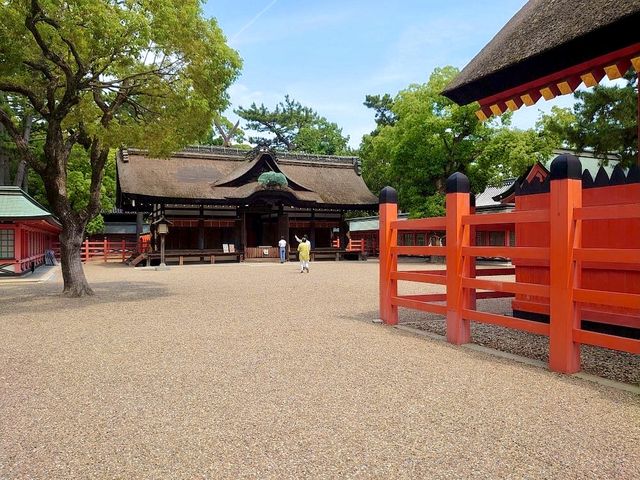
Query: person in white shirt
{"x": 283, "y": 249}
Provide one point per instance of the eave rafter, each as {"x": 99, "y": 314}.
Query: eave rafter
{"x": 613, "y": 65}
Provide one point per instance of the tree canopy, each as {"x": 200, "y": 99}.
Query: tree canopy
{"x": 422, "y": 137}
{"x": 99, "y": 74}
{"x": 603, "y": 119}
{"x": 294, "y": 127}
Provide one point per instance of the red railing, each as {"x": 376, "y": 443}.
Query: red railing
{"x": 353, "y": 245}
{"x": 107, "y": 250}
{"x": 562, "y": 219}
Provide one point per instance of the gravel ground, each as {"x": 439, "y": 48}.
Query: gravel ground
{"x": 611, "y": 364}
{"x": 257, "y": 371}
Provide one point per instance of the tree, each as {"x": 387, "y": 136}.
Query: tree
{"x": 604, "y": 119}
{"x": 13, "y": 169}
{"x": 79, "y": 184}
{"x": 224, "y": 133}
{"x": 430, "y": 139}
{"x": 383, "y": 105}
{"x": 426, "y": 137}
{"x": 102, "y": 73}
{"x": 294, "y": 127}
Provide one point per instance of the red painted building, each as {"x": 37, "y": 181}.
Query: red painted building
{"x": 27, "y": 230}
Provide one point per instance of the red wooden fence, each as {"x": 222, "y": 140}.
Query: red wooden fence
{"x": 107, "y": 250}
{"x": 354, "y": 245}
{"x": 563, "y": 218}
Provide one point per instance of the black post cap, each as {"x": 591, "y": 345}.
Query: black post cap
{"x": 566, "y": 166}
{"x": 458, "y": 183}
{"x": 388, "y": 195}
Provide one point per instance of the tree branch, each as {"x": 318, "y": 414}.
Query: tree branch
{"x": 36, "y": 103}
{"x": 21, "y": 143}
{"x": 70, "y": 96}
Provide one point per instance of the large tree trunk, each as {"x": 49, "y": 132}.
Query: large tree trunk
{"x": 75, "y": 282}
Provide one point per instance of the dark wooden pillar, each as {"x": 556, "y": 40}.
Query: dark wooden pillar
{"x": 201, "y": 228}
{"x": 237, "y": 229}
{"x": 312, "y": 233}
{"x": 243, "y": 230}
{"x": 138, "y": 225}
{"x": 342, "y": 233}
{"x": 283, "y": 227}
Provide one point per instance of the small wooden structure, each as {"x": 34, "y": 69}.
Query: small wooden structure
{"x": 27, "y": 230}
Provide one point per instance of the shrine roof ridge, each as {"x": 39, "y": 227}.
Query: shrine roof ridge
{"x": 238, "y": 154}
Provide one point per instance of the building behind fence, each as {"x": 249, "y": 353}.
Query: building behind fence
{"x": 576, "y": 261}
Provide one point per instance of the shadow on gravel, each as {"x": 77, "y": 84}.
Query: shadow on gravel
{"x": 368, "y": 316}
{"x": 42, "y": 299}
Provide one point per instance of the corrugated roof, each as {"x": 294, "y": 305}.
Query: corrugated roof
{"x": 485, "y": 199}
{"x": 17, "y": 205}
{"x": 363, "y": 224}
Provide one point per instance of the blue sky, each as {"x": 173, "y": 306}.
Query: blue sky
{"x": 329, "y": 54}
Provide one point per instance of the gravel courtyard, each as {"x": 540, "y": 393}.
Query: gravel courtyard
{"x": 257, "y": 371}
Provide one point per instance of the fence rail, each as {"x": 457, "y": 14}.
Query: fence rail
{"x": 352, "y": 246}
{"x": 107, "y": 250}
{"x": 565, "y": 259}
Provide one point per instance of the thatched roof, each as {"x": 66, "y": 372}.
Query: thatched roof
{"x": 544, "y": 37}
{"x": 221, "y": 176}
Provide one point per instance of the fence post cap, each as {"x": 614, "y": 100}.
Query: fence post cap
{"x": 388, "y": 195}
{"x": 458, "y": 183}
{"x": 566, "y": 166}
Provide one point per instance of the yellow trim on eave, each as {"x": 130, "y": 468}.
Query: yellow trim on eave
{"x": 589, "y": 79}
{"x": 481, "y": 116}
{"x": 512, "y": 105}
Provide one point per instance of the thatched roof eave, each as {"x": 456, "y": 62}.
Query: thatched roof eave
{"x": 544, "y": 37}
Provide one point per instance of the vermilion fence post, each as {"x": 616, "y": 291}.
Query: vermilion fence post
{"x": 472, "y": 260}
{"x": 86, "y": 249}
{"x": 123, "y": 249}
{"x": 458, "y": 204}
{"x": 388, "y": 210}
{"x": 105, "y": 246}
{"x": 566, "y": 194}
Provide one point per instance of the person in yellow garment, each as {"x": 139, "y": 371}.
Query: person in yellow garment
{"x": 304, "y": 252}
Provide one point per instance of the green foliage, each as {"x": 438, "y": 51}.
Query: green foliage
{"x": 294, "y": 127}
{"x": 431, "y": 206}
{"x": 100, "y": 73}
{"x": 383, "y": 106}
{"x": 78, "y": 186}
{"x": 604, "y": 119}
{"x": 425, "y": 137}
{"x": 272, "y": 179}
{"x": 430, "y": 139}
{"x": 510, "y": 152}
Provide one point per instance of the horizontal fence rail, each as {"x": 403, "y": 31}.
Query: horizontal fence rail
{"x": 107, "y": 250}
{"x": 558, "y": 294}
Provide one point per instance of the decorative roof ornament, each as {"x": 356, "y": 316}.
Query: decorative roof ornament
{"x": 272, "y": 180}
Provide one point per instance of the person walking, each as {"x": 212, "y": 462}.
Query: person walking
{"x": 282, "y": 244}
{"x": 304, "y": 253}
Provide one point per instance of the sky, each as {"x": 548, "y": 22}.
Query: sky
{"x": 330, "y": 54}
